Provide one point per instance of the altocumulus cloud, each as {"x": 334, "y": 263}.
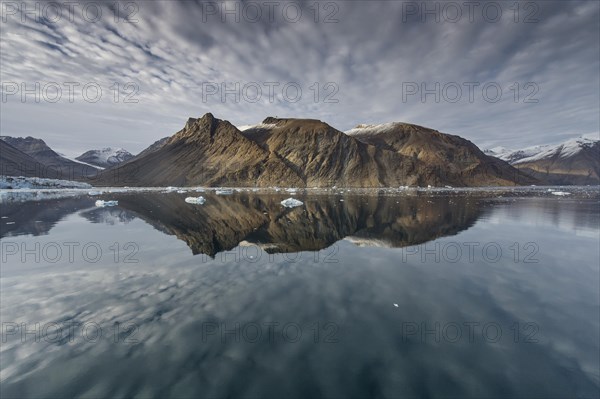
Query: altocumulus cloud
{"x": 159, "y": 62}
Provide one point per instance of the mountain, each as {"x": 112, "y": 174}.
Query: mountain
{"x": 444, "y": 156}
{"x": 14, "y": 162}
{"x": 310, "y": 153}
{"x": 323, "y": 156}
{"x": 105, "y": 157}
{"x": 575, "y": 161}
{"x": 56, "y": 166}
{"x": 206, "y": 151}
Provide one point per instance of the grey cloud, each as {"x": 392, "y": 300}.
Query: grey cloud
{"x": 373, "y": 48}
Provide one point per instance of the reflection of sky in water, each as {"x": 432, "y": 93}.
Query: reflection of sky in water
{"x": 169, "y": 294}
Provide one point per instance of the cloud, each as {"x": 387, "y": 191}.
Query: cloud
{"x": 354, "y": 62}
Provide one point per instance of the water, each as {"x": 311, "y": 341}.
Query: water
{"x": 442, "y": 294}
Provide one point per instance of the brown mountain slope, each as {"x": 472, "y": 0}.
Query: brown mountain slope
{"x": 207, "y": 151}
{"x": 446, "y": 157}
{"x": 325, "y": 157}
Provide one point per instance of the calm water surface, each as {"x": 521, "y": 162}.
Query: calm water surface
{"x": 442, "y": 294}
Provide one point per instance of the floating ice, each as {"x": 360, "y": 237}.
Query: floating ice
{"x": 396, "y": 305}
{"x": 20, "y": 182}
{"x": 195, "y": 200}
{"x": 181, "y": 191}
{"x": 291, "y": 203}
{"x": 561, "y": 193}
{"x": 106, "y": 203}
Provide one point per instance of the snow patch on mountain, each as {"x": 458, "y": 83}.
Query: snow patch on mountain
{"x": 373, "y": 129}
{"x": 259, "y": 126}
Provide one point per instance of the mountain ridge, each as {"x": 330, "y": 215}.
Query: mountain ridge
{"x": 574, "y": 161}
{"x": 297, "y": 152}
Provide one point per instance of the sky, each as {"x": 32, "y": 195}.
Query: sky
{"x": 92, "y": 74}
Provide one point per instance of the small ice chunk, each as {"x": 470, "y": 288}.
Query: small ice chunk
{"x": 195, "y": 200}
{"x": 291, "y": 203}
{"x": 561, "y": 193}
{"x": 95, "y": 192}
{"x": 181, "y": 191}
{"x": 396, "y": 305}
{"x": 106, "y": 203}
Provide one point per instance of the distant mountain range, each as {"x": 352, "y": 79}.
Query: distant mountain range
{"x": 105, "y": 157}
{"x": 575, "y": 161}
{"x": 310, "y": 153}
{"x": 47, "y": 162}
{"x": 32, "y": 157}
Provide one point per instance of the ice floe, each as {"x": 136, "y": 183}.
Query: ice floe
{"x": 19, "y": 182}
{"x": 560, "y": 193}
{"x": 195, "y": 200}
{"x": 102, "y": 203}
{"x": 291, "y": 203}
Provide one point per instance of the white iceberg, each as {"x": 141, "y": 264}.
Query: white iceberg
{"x": 195, "y": 200}
{"x": 106, "y": 203}
{"x": 291, "y": 203}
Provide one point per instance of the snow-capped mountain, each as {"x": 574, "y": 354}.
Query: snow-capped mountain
{"x": 566, "y": 149}
{"x": 105, "y": 157}
{"x": 575, "y": 161}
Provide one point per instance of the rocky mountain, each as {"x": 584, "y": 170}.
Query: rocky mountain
{"x": 310, "y": 153}
{"x": 14, "y": 162}
{"x": 575, "y": 161}
{"x": 105, "y": 157}
{"x": 443, "y": 156}
{"x": 206, "y": 151}
{"x": 55, "y": 165}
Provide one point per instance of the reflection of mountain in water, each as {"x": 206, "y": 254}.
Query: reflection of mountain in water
{"x": 109, "y": 215}
{"x": 223, "y": 222}
{"x": 38, "y": 217}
